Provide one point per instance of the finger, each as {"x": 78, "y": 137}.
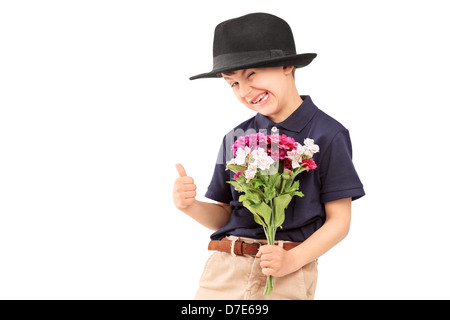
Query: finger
{"x": 189, "y": 187}
{"x": 260, "y": 251}
{"x": 180, "y": 169}
{"x": 268, "y": 271}
{"x": 184, "y": 180}
{"x": 188, "y": 194}
{"x": 266, "y": 257}
{"x": 264, "y": 250}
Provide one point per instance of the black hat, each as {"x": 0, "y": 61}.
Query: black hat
{"x": 257, "y": 40}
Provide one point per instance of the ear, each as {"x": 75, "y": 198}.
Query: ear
{"x": 288, "y": 69}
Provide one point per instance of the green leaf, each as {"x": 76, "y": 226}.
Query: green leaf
{"x": 277, "y": 182}
{"x": 235, "y": 185}
{"x": 298, "y": 193}
{"x": 264, "y": 178}
{"x": 236, "y": 168}
{"x": 280, "y": 203}
{"x": 273, "y": 178}
{"x": 262, "y": 212}
{"x": 257, "y": 182}
{"x": 242, "y": 198}
{"x": 252, "y": 198}
{"x": 258, "y": 219}
{"x": 294, "y": 187}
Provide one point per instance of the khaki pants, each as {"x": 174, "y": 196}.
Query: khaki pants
{"x": 228, "y": 277}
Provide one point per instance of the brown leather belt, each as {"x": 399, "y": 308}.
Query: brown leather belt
{"x": 241, "y": 247}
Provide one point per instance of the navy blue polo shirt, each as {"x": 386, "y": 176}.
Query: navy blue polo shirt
{"x": 335, "y": 177}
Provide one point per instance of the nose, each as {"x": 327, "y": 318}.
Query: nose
{"x": 244, "y": 90}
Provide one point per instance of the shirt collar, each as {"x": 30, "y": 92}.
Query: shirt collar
{"x": 296, "y": 121}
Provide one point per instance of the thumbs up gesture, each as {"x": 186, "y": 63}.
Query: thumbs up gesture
{"x": 184, "y": 189}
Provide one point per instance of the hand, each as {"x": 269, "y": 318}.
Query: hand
{"x": 275, "y": 261}
{"x": 184, "y": 189}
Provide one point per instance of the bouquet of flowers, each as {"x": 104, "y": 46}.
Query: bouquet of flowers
{"x": 265, "y": 168}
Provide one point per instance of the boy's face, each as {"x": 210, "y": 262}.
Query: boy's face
{"x": 264, "y": 90}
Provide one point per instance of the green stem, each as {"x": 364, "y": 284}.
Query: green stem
{"x": 283, "y": 185}
{"x": 269, "y": 285}
{"x": 265, "y": 232}
{"x": 272, "y": 224}
{"x": 270, "y": 235}
{"x": 297, "y": 171}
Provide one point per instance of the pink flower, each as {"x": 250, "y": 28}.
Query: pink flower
{"x": 309, "y": 164}
{"x": 253, "y": 141}
{"x": 286, "y": 170}
{"x": 278, "y": 147}
{"x": 287, "y": 143}
{"x": 237, "y": 175}
{"x": 283, "y": 145}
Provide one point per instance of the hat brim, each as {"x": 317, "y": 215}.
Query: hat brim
{"x": 298, "y": 61}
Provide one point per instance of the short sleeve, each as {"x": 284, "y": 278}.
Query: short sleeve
{"x": 218, "y": 189}
{"x": 338, "y": 175}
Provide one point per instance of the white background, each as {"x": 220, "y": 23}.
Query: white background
{"x": 96, "y": 108}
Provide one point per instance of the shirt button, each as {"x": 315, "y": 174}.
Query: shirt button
{"x": 274, "y": 129}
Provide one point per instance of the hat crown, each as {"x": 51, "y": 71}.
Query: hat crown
{"x": 253, "y": 32}
{"x": 256, "y": 40}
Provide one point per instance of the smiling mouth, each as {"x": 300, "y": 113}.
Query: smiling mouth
{"x": 261, "y": 98}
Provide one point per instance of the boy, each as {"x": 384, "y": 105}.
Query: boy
{"x": 256, "y": 56}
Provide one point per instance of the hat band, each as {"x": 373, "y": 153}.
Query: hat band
{"x": 243, "y": 58}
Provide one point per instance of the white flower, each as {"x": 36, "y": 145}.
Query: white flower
{"x": 296, "y": 156}
{"x": 310, "y": 148}
{"x": 261, "y": 159}
{"x": 251, "y": 172}
{"x": 241, "y": 156}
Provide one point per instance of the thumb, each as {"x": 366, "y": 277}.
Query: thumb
{"x": 180, "y": 169}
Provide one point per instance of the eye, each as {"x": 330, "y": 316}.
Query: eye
{"x": 234, "y": 84}
{"x": 251, "y": 73}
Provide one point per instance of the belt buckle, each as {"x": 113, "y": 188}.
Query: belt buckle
{"x": 260, "y": 244}
{"x": 233, "y": 245}
{"x": 240, "y": 250}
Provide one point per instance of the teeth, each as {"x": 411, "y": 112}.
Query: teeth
{"x": 263, "y": 97}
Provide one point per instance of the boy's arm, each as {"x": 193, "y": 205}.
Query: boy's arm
{"x": 279, "y": 262}
{"x": 211, "y": 215}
